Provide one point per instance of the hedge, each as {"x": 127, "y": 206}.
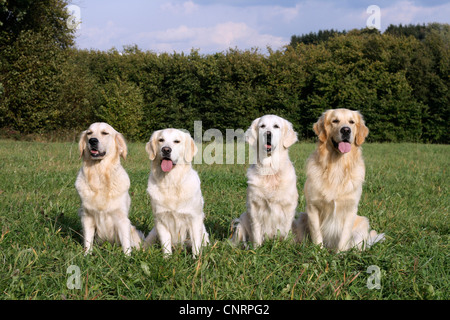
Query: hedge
{"x": 399, "y": 83}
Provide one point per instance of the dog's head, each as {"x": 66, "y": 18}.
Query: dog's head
{"x": 270, "y": 133}
{"x": 101, "y": 141}
{"x": 342, "y": 129}
{"x": 170, "y": 147}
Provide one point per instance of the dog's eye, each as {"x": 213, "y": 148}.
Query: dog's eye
{"x": 351, "y": 122}
{"x": 262, "y": 126}
{"x": 176, "y": 141}
{"x": 276, "y": 126}
{"x": 105, "y": 133}
{"x": 335, "y": 121}
{"x": 89, "y": 133}
{"x": 161, "y": 140}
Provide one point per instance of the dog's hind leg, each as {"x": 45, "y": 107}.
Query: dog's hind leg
{"x": 151, "y": 238}
{"x": 300, "y": 227}
{"x": 240, "y": 229}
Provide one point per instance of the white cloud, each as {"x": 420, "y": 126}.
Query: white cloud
{"x": 287, "y": 14}
{"x": 187, "y": 7}
{"x": 95, "y": 37}
{"x": 219, "y": 37}
{"x": 406, "y": 12}
{"x": 213, "y": 26}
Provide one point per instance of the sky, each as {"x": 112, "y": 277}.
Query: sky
{"x": 215, "y": 26}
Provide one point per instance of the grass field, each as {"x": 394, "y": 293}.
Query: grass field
{"x": 405, "y": 195}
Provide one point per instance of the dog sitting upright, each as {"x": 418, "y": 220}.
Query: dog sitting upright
{"x": 102, "y": 184}
{"x": 272, "y": 184}
{"x": 334, "y": 178}
{"x": 174, "y": 189}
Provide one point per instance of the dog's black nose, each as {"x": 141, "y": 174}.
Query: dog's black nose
{"x": 346, "y": 131}
{"x": 166, "y": 150}
{"x": 93, "y": 142}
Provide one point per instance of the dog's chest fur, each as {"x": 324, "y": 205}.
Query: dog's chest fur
{"x": 99, "y": 187}
{"x": 177, "y": 192}
{"x": 273, "y": 187}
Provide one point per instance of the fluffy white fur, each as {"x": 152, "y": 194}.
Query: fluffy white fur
{"x": 102, "y": 184}
{"x": 272, "y": 192}
{"x": 174, "y": 189}
{"x": 334, "y": 178}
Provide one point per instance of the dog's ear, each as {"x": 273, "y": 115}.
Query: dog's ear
{"x": 150, "y": 147}
{"x": 121, "y": 145}
{"x": 251, "y": 135}
{"x": 82, "y": 143}
{"x": 361, "y": 130}
{"x": 190, "y": 149}
{"x": 289, "y": 135}
{"x": 320, "y": 127}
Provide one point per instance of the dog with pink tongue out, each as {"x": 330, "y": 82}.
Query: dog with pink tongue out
{"x": 335, "y": 174}
{"x": 175, "y": 194}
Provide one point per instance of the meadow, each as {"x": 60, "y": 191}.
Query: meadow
{"x": 405, "y": 196}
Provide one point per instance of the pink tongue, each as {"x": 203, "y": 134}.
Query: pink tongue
{"x": 344, "y": 147}
{"x": 166, "y": 165}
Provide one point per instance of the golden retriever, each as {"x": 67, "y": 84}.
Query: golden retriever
{"x": 334, "y": 178}
{"x": 272, "y": 192}
{"x": 174, "y": 189}
{"x": 102, "y": 184}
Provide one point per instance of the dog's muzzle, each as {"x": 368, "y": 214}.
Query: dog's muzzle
{"x": 166, "y": 162}
{"x": 344, "y": 145}
{"x": 345, "y": 133}
{"x": 268, "y": 145}
{"x": 93, "y": 149}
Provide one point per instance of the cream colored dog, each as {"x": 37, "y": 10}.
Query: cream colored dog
{"x": 272, "y": 191}
{"x": 102, "y": 185}
{"x": 334, "y": 177}
{"x": 174, "y": 189}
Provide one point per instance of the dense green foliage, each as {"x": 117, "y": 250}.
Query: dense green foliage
{"x": 398, "y": 80}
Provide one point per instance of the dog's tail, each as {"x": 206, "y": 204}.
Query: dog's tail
{"x": 300, "y": 227}
{"x": 136, "y": 237}
{"x": 151, "y": 238}
{"x": 205, "y": 236}
{"x": 239, "y": 232}
{"x": 374, "y": 237}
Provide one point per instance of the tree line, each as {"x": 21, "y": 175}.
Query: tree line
{"x": 398, "y": 79}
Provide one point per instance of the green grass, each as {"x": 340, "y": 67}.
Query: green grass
{"x": 405, "y": 196}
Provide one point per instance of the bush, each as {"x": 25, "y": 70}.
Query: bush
{"x": 398, "y": 82}
{"x": 122, "y": 107}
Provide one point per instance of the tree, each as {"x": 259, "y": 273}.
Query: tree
{"x": 314, "y": 37}
{"x": 33, "y": 39}
{"x": 122, "y": 107}
{"x": 46, "y": 17}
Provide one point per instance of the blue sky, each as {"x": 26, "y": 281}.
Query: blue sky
{"x": 215, "y": 26}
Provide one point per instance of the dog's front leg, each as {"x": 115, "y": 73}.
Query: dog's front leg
{"x": 124, "y": 230}
{"x": 88, "y": 224}
{"x": 196, "y": 236}
{"x": 314, "y": 224}
{"x": 345, "y": 242}
{"x": 256, "y": 236}
{"x": 164, "y": 238}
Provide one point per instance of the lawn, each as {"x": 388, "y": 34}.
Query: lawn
{"x": 405, "y": 196}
